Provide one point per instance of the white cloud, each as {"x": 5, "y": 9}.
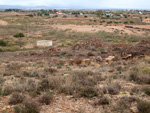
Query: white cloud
{"x": 81, "y": 3}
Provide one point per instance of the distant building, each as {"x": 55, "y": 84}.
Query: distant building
{"x": 81, "y": 13}
{"x": 59, "y": 13}
{"x": 147, "y": 20}
{"x": 140, "y": 13}
{"x": 121, "y": 15}
{"x": 44, "y": 43}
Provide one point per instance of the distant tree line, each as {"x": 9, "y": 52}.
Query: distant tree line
{"x": 44, "y": 12}
{"x": 9, "y": 10}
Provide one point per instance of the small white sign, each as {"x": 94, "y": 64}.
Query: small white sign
{"x": 44, "y": 43}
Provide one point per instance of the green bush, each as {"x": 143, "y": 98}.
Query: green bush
{"x": 3, "y": 43}
{"x": 19, "y": 35}
{"x": 125, "y": 22}
{"x": 131, "y": 22}
{"x": 109, "y": 22}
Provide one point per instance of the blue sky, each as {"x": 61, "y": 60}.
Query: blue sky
{"x": 87, "y": 4}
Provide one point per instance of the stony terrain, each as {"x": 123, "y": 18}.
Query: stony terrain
{"x": 85, "y": 71}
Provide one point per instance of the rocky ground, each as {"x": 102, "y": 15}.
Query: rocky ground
{"x": 90, "y": 77}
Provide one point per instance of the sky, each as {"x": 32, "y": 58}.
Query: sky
{"x": 82, "y": 4}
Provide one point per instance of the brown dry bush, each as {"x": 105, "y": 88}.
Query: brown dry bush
{"x": 44, "y": 84}
{"x": 140, "y": 74}
{"x": 8, "y": 90}
{"x": 88, "y": 92}
{"x": 46, "y": 99}
{"x": 79, "y": 83}
{"x": 30, "y": 86}
{"x": 30, "y": 74}
{"x": 2, "y": 80}
{"x": 143, "y": 106}
{"x": 146, "y": 90}
{"x": 113, "y": 88}
{"x": 102, "y": 101}
{"x": 83, "y": 78}
{"x": 16, "y": 98}
{"x": 14, "y": 65}
{"x": 50, "y": 70}
{"x": 27, "y": 107}
{"x": 90, "y": 54}
{"x": 67, "y": 89}
{"x": 53, "y": 82}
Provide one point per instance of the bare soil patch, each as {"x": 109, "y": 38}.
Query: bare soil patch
{"x": 96, "y": 28}
{"x": 4, "y": 23}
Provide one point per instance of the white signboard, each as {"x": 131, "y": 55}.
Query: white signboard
{"x": 44, "y": 43}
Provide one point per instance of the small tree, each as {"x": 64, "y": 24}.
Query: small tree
{"x": 99, "y": 13}
{"x": 19, "y": 35}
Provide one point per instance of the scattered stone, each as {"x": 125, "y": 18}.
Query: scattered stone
{"x": 122, "y": 94}
{"x": 110, "y": 58}
{"x": 57, "y": 109}
{"x": 134, "y": 109}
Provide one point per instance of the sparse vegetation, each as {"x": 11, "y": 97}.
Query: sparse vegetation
{"x": 98, "y": 58}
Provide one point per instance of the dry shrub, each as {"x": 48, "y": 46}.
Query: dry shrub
{"x": 102, "y": 101}
{"x": 146, "y": 90}
{"x": 2, "y": 80}
{"x": 7, "y": 90}
{"x": 31, "y": 86}
{"x": 143, "y": 106}
{"x": 67, "y": 89}
{"x": 127, "y": 99}
{"x": 46, "y": 99}
{"x": 88, "y": 92}
{"x": 14, "y": 65}
{"x": 16, "y": 98}
{"x": 53, "y": 82}
{"x": 90, "y": 54}
{"x": 80, "y": 83}
{"x": 124, "y": 104}
{"x": 113, "y": 88}
{"x": 44, "y": 84}
{"x": 140, "y": 74}
{"x": 83, "y": 78}
{"x": 135, "y": 90}
{"x": 30, "y": 74}
{"x": 50, "y": 70}
{"x": 27, "y": 107}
